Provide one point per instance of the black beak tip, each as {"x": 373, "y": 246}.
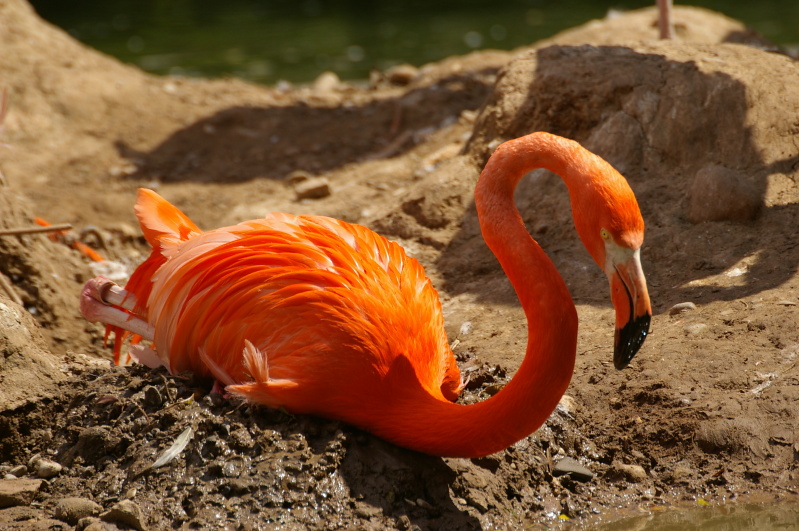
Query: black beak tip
{"x": 629, "y": 340}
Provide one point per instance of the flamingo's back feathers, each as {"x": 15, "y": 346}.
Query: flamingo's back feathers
{"x": 294, "y": 310}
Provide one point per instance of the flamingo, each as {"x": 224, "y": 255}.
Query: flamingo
{"x": 322, "y": 317}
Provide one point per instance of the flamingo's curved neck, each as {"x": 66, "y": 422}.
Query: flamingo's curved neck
{"x": 443, "y": 428}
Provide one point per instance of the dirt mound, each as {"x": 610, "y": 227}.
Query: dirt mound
{"x": 706, "y": 411}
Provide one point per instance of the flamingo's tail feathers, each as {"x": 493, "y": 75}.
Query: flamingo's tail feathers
{"x": 263, "y": 390}
{"x": 256, "y": 363}
{"x": 163, "y": 225}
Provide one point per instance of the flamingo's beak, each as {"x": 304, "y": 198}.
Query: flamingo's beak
{"x": 633, "y": 309}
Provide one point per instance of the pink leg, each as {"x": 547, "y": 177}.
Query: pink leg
{"x": 100, "y": 301}
{"x": 664, "y": 19}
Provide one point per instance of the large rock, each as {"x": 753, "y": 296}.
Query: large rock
{"x": 718, "y": 193}
{"x": 27, "y": 371}
{"x": 15, "y": 492}
{"x": 659, "y": 108}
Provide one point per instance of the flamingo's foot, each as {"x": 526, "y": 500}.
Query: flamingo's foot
{"x": 219, "y": 388}
{"x": 103, "y": 301}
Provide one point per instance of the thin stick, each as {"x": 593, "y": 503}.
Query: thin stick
{"x": 9, "y": 289}
{"x": 32, "y": 230}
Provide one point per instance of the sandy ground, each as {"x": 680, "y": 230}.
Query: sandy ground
{"x": 705, "y": 130}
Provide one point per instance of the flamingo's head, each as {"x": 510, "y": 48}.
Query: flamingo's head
{"x": 610, "y": 225}
{"x": 628, "y": 292}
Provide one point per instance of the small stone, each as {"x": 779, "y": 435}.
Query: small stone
{"x": 632, "y": 473}
{"x": 695, "y": 329}
{"x": 46, "y": 468}
{"x": 494, "y": 388}
{"x": 152, "y": 397}
{"x": 404, "y": 522}
{"x": 242, "y": 438}
{"x": 125, "y": 230}
{"x": 15, "y": 492}
{"x": 720, "y": 194}
{"x": 567, "y": 404}
{"x": 682, "y": 307}
{"x": 18, "y": 471}
{"x": 326, "y": 82}
{"x": 402, "y": 75}
{"x": 573, "y": 468}
{"x": 421, "y": 502}
{"x": 477, "y": 499}
{"x": 681, "y": 473}
{"x": 297, "y": 176}
{"x": 91, "y": 523}
{"x": 125, "y": 512}
{"x": 313, "y": 188}
{"x": 365, "y": 510}
{"x": 73, "y": 509}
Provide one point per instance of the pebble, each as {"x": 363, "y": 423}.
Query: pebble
{"x": 14, "y": 492}
{"x": 421, "y": 502}
{"x": 326, "y": 82}
{"x": 477, "y": 499}
{"x": 682, "y": 307}
{"x": 73, "y": 509}
{"x": 44, "y": 468}
{"x": 152, "y": 397}
{"x": 402, "y": 75}
{"x": 18, "y": 471}
{"x": 567, "y": 404}
{"x": 572, "y": 467}
{"x": 297, "y": 176}
{"x": 242, "y": 438}
{"x": 313, "y": 188}
{"x": 681, "y": 473}
{"x": 365, "y": 510}
{"x": 47, "y": 469}
{"x": 632, "y": 473}
{"x": 91, "y": 523}
{"x": 695, "y": 329}
{"x": 125, "y": 512}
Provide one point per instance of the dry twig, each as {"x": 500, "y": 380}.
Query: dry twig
{"x": 34, "y": 230}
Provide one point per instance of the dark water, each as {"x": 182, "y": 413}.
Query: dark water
{"x": 268, "y": 41}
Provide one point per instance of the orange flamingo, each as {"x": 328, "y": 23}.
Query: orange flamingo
{"x": 323, "y": 317}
